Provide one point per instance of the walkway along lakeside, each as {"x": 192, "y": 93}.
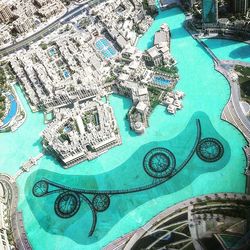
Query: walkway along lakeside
{"x": 232, "y": 112}
{"x": 15, "y": 217}
{"x": 128, "y": 240}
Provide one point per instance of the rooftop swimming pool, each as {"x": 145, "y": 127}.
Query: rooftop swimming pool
{"x": 67, "y": 129}
{"x": 195, "y": 147}
{"x": 106, "y": 48}
{"x": 160, "y": 80}
{"x": 66, "y": 73}
{"x": 12, "y": 111}
{"x": 52, "y": 52}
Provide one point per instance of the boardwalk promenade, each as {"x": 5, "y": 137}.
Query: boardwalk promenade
{"x": 127, "y": 241}
{"x": 232, "y": 112}
{"x": 15, "y": 217}
{"x": 11, "y": 193}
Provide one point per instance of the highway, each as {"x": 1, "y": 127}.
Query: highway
{"x": 45, "y": 31}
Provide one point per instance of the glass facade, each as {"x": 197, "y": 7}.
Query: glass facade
{"x": 209, "y": 11}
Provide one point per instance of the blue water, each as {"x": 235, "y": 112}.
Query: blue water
{"x": 229, "y": 49}
{"x": 121, "y": 167}
{"x": 66, "y": 74}
{"x": 52, "y": 51}
{"x": 67, "y": 129}
{"x": 17, "y": 147}
{"x": 12, "y": 112}
{"x": 161, "y": 80}
{"x": 105, "y": 42}
{"x": 99, "y": 45}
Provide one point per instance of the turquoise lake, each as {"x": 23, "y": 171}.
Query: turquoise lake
{"x": 206, "y": 91}
{"x": 229, "y": 50}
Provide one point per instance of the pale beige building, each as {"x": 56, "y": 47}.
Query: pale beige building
{"x": 51, "y": 9}
{"x": 5, "y": 13}
{"x": 23, "y": 24}
{"x": 41, "y": 3}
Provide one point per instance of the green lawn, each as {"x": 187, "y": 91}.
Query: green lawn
{"x": 154, "y": 94}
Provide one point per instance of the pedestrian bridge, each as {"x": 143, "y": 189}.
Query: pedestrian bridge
{"x": 26, "y": 166}
{"x": 209, "y": 51}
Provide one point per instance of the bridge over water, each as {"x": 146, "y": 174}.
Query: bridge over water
{"x": 208, "y": 50}
{"x": 26, "y": 166}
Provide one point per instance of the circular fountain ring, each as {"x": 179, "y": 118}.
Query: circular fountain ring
{"x": 101, "y": 202}
{"x": 159, "y": 163}
{"x": 40, "y": 188}
{"x": 209, "y": 150}
{"x": 67, "y": 204}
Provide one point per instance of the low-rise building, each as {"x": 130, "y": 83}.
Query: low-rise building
{"x": 50, "y": 9}
{"x": 138, "y": 114}
{"x": 159, "y": 53}
{"x": 23, "y": 24}
{"x": 81, "y": 133}
{"x": 41, "y": 3}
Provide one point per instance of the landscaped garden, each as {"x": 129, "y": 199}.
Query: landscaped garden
{"x": 244, "y": 81}
{"x": 2, "y": 89}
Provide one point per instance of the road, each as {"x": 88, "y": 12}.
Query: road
{"x": 45, "y": 31}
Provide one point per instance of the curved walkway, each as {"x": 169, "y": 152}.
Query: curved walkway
{"x": 15, "y": 217}
{"x": 127, "y": 241}
{"x": 232, "y": 112}
{"x": 235, "y": 92}
{"x": 241, "y": 122}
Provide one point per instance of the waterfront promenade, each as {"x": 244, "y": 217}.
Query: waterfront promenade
{"x": 15, "y": 217}
{"x": 235, "y": 114}
{"x": 83, "y": 247}
{"x": 232, "y": 112}
{"x": 127, "y": 241}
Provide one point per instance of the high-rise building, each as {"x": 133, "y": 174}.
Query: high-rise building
{"x": 241, "y": 6}
{"x": 209, "y": 11}
{"x": 5, "y": 13}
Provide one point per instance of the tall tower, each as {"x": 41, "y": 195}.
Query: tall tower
{"x": 209, "y": 11}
